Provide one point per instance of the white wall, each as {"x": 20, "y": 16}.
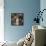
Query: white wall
{"x": 1, "y": 20}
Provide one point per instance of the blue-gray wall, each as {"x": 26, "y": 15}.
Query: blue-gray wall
{"x": 43, "y": 6}
{"x": 29, "y": 8}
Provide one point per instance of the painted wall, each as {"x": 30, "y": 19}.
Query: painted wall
{"x": 43, "y": 6}
{"x": 28, "y": 7}
{"x": 1, "y": 20}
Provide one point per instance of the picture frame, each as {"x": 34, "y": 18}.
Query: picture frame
{"x": 17, "y": 19}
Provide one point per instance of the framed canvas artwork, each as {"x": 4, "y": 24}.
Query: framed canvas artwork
{"x": 17, "y": 19}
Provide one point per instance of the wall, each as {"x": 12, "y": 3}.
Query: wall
{"x": 1, "y": 20}
{"x": 43, "y": 6}
{"x": 28, "y": 7}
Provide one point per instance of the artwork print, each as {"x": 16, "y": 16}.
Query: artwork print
{"x": 17, "y": 19}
